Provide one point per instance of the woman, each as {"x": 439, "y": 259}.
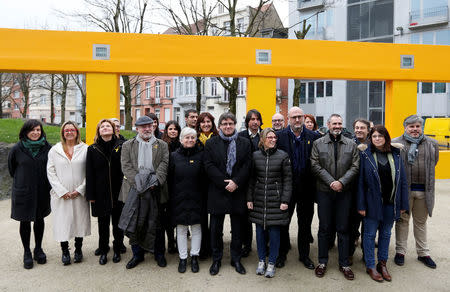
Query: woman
{"x": 30, "y": 199}
{"x": 187, "y": 192}
{"x": 103, "y": 182}
{"x": 171, "y": 135}
{"x": 382, "y": 197}
{"x": 66, "y": 171}
{"x": 206, "y": 128}
{"x": 156, "y": 132}
{"x": 268, "y": 195}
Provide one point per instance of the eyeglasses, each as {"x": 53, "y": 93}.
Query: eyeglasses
{"x": 297, "y": 117}
{"x": 272, "y": 138}
{"x": 227, "y": 124}
{"x": 69, "y": 130}
{"x": 277, "y": 121}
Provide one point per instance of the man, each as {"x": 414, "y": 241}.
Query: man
{"x": 190, "y": 118}
{"x": 297, "y": 141}
{"x": 335, "y": 163}
{"x": 253, "y": 122}
{"x": 228, "y": 160}
{"x": 145, "y": 162}
{"x": 420, "y": 156}
{"x": 117, "y": 126}
{"x": 277, "y": 122}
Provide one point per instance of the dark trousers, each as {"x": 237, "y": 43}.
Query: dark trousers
{"x": 247, "y": 231}
{"x": 163, "y": 224}
{"x": 355, "y": 220}
{"x": 262, "y": 240}
{"x": 333, "y": 208}
{"x": 217, "y": 236}
{"x": 103, "y": 230}
{"x": 206, "y": 234}
{"x": 305, "y": 213}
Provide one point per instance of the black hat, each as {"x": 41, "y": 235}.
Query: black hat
{"x": 143, "y": 120}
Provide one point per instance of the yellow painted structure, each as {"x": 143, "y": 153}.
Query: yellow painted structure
{"x": 145, "y": 54}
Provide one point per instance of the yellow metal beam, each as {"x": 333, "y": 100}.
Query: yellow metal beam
{"x": 261, "y": 95}
{"x": 102, "y": 100}
{"x": 147, "y": 54}
{"x": 443, "y": 166}
{"x": 400, "y": 102}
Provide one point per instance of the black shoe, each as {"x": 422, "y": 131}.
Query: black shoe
{"x": 116, "y": 257}
{"x": 194, "y": 264}
{"x": 161, "y": 261}
{"x": 27, "y": 260}
{"x": 215, "y": 267}
{"x": 103, "y": 259}
{"x": 280, "y": 262}
{"x": 98, "y": 251}
{"x": 39, "y": 256}
{"x": 246, "y": 251}
{"x": 182, "y": 265}
{"x": 399, "y": 259}
{"x": 308, "y": 263}
{"x": 238, "y": 267}
{"x": 65, "y": 257}
{"x": 134, "y": 262}
{"x": 77, "y": 256}
{"x": 427, "y": 261}
{"x": 123, "y": 249}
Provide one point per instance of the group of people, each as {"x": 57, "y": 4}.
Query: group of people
{"x": 188, "y": 179}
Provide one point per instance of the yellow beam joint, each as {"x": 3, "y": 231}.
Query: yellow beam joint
{"x": 102, "y": 100}
{"x": 400, "y": 102}
{"x": 261, "y": 95}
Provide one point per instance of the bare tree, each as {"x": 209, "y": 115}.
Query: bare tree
{"x": 80, "y": 82}
{"x": 301, "y": 34}
{"x": 122, "y": 16}
{"x": 26, "y": 85}
{"x": 57, "y": 85}
{"x": 6, "y": 86}
{"x": 48, "y": 82}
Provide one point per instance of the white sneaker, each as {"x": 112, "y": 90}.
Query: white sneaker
{"x": 270, "y": 272}
{"x": 261, "y": 268}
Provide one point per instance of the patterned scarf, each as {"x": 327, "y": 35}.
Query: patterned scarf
{"x": 231, "y": 151}
{"x": 33, "y": 146}
{"x": 203, "y": 138}
{"x": 413, "y": 151}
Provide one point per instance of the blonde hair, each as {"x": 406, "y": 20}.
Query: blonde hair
{"x": 63, "y": 140}
{"x": 97, "y": 131}
{"x": 263, "y": 136}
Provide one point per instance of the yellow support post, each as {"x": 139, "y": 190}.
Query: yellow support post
{"x": 102, "y": 100}
{"x": 401, "y": 101}
{"x": 261, "y": 95}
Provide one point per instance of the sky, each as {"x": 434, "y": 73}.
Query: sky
{"x": 40, "y": 14}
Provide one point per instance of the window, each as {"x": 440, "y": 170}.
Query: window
{"x": 189, "y": 86}
{"x": 221, "y": 9}
{"x": 375, "y": 94}
{"x": 241, "y": 89}
{"x": 177, "y": 114}
{"x": 320, "y": 89}
{"x": 210, "y": 109}
{"x": 42, "y": 97}
{"x": 138, "y": 113}
{"x": 137, "y": 94}
{"x": 226, "y": 28}
{"x": 329, "y": 88}
{"x": 58, "y": 99}
{"x": 121, "y": 94}
{"x": 311, "y": 87}
{"x": 147, "y": 90}
{"x": 213, "y": 86}
{"x": 167, "y": 89}
{"x": 157, "y": 113}
{"x": 16, "y": 107}
{"x": 157, "y": 89}
{"x": 166, "y": 115}
{"x": 240, "y": 25}
{"x": 181, "y": 84}
{"x": 16, "y": 94}
{"x": 427, "y": 87}
{"x": 302, "y": 98}
{"x": 440, "y": 88}
{"x": 319, "y": 120}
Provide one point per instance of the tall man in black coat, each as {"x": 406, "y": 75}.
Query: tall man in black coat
{"x": 297, "y": 141}
{"x": 253, "y": 123}
{"x": 227, "y": 163}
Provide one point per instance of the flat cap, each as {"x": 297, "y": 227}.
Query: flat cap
{"x": 143, "y": 120}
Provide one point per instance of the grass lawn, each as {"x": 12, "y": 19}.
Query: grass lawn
{"x": 10, "y": 128}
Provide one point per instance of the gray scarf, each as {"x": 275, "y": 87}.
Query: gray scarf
{"x": 145, "y": 154}
{"x": 413, "y": 151}
{"x": 231, "y": 151}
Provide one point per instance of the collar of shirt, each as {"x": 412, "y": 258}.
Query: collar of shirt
{"x": 251, "y": 134}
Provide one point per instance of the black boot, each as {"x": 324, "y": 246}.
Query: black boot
{"x": 39, "y": 256}
{"x": 27, "y": 259}
{"x": 182, "y": 265}
{"x": 65, "y": 258}
{"x": 194, "y": 264}
{"x": 78, "y": 254}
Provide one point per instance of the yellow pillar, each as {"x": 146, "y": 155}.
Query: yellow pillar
{"x": 261, "y": 95}
{"x": 401, "y": 101}
{"x": 102, "y": 100}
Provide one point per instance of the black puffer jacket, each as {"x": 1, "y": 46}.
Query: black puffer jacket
{"x": 270, "y": 185}
{"x": 187, "y": 185}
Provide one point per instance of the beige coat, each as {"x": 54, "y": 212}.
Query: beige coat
{"x": 129, "y": 160}
{"x": 71, "y": 218}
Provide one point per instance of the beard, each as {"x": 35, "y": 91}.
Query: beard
{"x": 336, "y": 131}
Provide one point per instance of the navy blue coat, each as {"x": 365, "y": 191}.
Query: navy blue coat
{"x": 369, "y": 187}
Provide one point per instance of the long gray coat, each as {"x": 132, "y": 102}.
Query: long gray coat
{"x": 432, "y": 157}
{"x": 129, "y": 161}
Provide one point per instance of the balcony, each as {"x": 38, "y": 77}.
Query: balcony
{"x": 310, "y": 4}
{"x": 428, "y": 17}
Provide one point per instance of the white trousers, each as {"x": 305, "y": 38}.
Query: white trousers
{"x": 196, "y": 233}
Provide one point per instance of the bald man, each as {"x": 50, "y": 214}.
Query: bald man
{"x": 277, "y": 122}
{"x": 297, "y": 141}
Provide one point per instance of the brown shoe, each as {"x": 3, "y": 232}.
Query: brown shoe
{"x": 374, "y": 275}
{"x": 321, "y": 269}
{"x": 348, "y": 273}
{"x": 381, "y": 268}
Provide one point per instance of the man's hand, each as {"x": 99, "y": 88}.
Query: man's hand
{"x": 362, "y": 213}
{"x": 231, "y": 186}
{"x": 250, "y": 205}
{"x": 336, "y": 186}
{"x": 283, "y": 207}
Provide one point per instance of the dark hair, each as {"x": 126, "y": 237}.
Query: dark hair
{"x": 201, "y": 118}
{"x": 28, "y": 126}
{"x": 249, "y": 116}
{"x": 361, "y": 120}
{"x": 186, "y": 113}
{"x": 311, "y": 117}
{"x": 384, "y": 132}
{"x": 165, "y": 136}
{"x": 154, "y": 118}
{"x": 226, "y": 116}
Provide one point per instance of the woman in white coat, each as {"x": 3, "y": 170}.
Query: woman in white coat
{"x": 66, "y": 171}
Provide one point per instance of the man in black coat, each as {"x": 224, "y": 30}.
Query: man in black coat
{"x": 253, "y": 122}
{"x": 227, "y": 162}
{"x": 297, "y": 141}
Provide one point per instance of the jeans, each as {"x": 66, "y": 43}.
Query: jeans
{"x": 274, "y": 237}
{"x": 196, "y": 231}
{"x": 384, "y": 236}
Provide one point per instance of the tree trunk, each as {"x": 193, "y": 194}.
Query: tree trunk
{"x": 198, "y": 83}
{"x": 52, "y": 98}
{"x": 127, "y": 97}
{"x": 64, "y": 79}
{"x": 296, "y": 95}
{"x": 233, "y": 95}
{"x": 83, "y": 102}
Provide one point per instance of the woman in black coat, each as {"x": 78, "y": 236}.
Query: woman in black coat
{"x": 103, "y": 182}
{"x": 30, "y": 199}
{"x": 268, "y": 195}
{"x": 186, "y": 192}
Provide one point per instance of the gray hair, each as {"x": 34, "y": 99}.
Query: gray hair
{"x": 187, "y": 131}
{"x": 226, "y": 116}
{"x": 115, "y": 119}
{"x": 412, "y": 119}
{"x": 335, "y": 116}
